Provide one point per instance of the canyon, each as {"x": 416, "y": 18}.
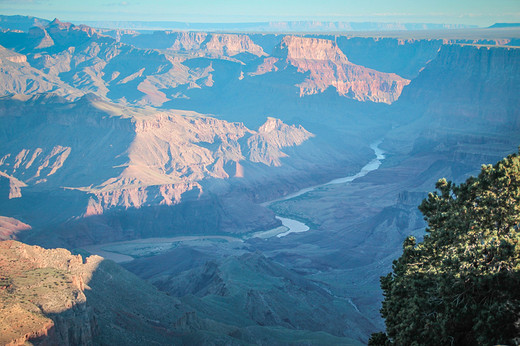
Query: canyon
{"x": 185, "y": 155}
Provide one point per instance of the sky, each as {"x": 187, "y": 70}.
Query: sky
{"x": 474, "y": 12}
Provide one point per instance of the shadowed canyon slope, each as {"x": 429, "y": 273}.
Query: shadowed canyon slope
{"x": 54, "y": 297}
{"x": 159, "y": 149}
{"x": 445, "y": 134}
{"x": 98, "y": 156}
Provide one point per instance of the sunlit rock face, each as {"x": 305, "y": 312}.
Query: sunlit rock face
{"x": 329, "y": 67}
{"x": 198, "y": 43}
{"x": 43, "y": 295}
{"x": 160, "y": 154}
{"x": 10, "y": 227}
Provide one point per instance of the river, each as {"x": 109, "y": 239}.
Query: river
{"x": 294, "y": 226}
{"x": 120, "y": 251}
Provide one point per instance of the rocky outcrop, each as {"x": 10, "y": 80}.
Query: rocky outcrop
{"x": 9, "y": 227}
{"x": 180, "y": 41}
{"x": 231, "y": 45}
{"x": 329, "y": 67}
{"x": 173, "y": 153}
{"x": 19, "y": 77}
{"x": 198, "y": 43}
{"x": 10, "y": 186}
{"x": 265, "y": 146}
{"x": 43, "y": 297}
{"x": 148, "y": 157}
{"x": 9, "y": 55}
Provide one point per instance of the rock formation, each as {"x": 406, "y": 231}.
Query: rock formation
{"x": 9, "y": 227}
{"x": 80, "y": 59}
{"x": 43, "y": 296}
{"x": 459, "y": 67}
{"x": 161, "y": 154}
{"x": 329, "y": 67}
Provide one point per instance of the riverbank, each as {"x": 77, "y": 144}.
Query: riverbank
{"x": 294, "y": 226}
{"x": 125, "y": 251}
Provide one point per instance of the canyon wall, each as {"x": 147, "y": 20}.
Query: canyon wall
{"x": 53, "y": 297}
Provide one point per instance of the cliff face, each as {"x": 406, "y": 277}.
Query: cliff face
{"x": 231, "y": 45}
{"x": 329, "y": 67}
{"x": 405, "y": 57}
{"x": 173, "y": 153}
{"x": 127, "y": 157}
{"x": 43, "y": 296}
{"x": 408, "y": 55}
{"x": 468, "y": 84}
{"x": 181, "y": 41}
{"x": 198, "y": 43}
{"x": 9, "y": 227}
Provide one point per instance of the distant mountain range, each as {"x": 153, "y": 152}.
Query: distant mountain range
{"x": 23, "y": 23}
{"x": 505, "y": 25}
{"x": 290, "y": 26}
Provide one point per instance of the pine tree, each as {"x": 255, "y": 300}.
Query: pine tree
{"x": 461, "y": 284}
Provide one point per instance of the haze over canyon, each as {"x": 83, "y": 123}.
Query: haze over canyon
{"x": 198, "y": 187}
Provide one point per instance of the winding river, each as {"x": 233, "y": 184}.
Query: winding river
{"x": 294, "y": 226}
{"x": 125, "y": 251}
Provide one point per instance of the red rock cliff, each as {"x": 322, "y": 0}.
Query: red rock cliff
{"x": 329, "y": 67}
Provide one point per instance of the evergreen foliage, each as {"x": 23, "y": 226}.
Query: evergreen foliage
{"x": 461, "y": 284}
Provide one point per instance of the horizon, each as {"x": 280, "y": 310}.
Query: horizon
{"x": 97, "y": 23}
{"x": 480, "y": 13}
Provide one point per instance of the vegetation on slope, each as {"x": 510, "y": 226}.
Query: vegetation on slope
{"x": 459, "y": 286}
